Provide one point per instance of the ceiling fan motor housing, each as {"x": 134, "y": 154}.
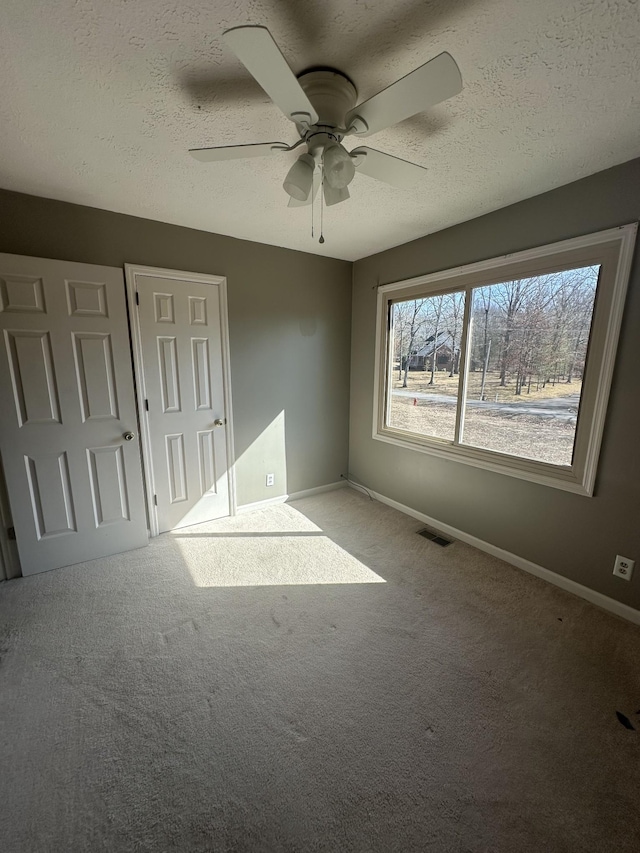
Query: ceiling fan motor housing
{"x": 332, "y": 94}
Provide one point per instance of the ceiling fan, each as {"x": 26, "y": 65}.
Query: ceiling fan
{"x": 322, "y": 105}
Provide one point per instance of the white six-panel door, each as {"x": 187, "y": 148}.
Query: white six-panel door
{"x": 68, "y": 428}
{"x": 186, "y": 407}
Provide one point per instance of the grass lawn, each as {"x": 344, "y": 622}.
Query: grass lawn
{"x": 525, "y": 436}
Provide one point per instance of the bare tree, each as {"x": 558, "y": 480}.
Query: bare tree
{"x": 509, "y": 297}
{"x": 584, "y": 294}
{"x": 435, "y": 307}
{"x": 553, "y": 352}
{"x": 408, "y": 321}
{"x": 531, "y": 328}
{"x": 455, "y": 310}
{"x": 483, "y": 295}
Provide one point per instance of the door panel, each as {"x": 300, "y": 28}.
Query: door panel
{"x": 108, "y": 485}
{"x": 32, "y": 375}
{"x": 181, "y": 344}
{"x": 50, "y": 491}
{"x": 95, "y": 375}
{"x": 75, "y": 484}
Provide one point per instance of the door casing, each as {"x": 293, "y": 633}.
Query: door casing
{"x": 9, "y": 560}
{"x": 132, "y": 271}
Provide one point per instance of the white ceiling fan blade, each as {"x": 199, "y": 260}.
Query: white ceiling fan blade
{"x": 384, "y": 167}
{"x": 237, "y": 152}
{"x": 255, "y": 48}
{"x": 293, "y": 202}
{"x": 433, "y": 82}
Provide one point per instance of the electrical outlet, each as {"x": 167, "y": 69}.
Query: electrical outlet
{"x": 271, "y": 479}
{"x": 623, "y": 567}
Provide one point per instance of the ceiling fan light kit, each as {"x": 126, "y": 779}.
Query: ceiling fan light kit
{"x": 333, "y": 195}
{"x": 323, "y": 105}
{"x": 338, "y": 167}
{"x": 300, "y": 177}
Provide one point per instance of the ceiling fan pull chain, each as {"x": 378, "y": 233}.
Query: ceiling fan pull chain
{"x": 321, "y": 240}
{"x": 313, "y": 204}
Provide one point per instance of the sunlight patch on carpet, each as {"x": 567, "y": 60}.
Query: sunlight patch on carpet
{"x": 277, "y": 560}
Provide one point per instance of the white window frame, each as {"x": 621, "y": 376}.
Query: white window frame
{"x": 613, "y": 251}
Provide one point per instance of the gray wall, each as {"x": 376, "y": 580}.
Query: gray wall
{"x": 289, "y": 318}
{"x": 570, "y": 534}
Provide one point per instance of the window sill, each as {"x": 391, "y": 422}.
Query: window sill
{"x": 542, "y": 473}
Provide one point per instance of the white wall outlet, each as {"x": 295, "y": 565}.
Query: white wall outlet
{"x": 271, "y": 479}
{"x": 623, "y": 567}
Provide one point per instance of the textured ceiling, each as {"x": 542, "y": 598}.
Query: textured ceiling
{"x": 101, "y": 100}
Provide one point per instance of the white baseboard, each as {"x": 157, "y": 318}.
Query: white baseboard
{"x": 597, "y": 598}
{"x": 280, "y": 499}
{"x": 294, "y": 496}
{"x": 318, "y": 490}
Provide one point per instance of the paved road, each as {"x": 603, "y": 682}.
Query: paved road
{"x": 556, "y": 408}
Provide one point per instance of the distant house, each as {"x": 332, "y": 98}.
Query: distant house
{"x": 421, "y": 359}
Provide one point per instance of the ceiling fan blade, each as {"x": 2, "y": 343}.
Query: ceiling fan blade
{"x": 293, "y": 202}
{"x": 384, "y": 167}
{"x": 237, "y": 152}
{"x": 255, "y": 48}
{"x": 431, "y": 83}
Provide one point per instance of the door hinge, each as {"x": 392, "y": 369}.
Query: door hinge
{"x": 11, "y": 533}
{"x": 155, "y": 500}
{"x": 137, "y": 298}
{"x": 146, "y": 405}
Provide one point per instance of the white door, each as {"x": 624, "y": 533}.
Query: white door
{"x": 181, "y": 348}
{"x": 68, "y": 430}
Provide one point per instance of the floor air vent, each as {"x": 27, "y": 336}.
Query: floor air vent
{"x": 434, "y": 537}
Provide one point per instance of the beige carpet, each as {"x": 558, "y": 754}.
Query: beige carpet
{"x": 313, "y": 677}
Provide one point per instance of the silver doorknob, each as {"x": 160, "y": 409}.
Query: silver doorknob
{"x": 219, "y": 422}
{"x": 128, "y": 436}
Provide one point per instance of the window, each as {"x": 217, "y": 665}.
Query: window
{"x": 506, "y": 364}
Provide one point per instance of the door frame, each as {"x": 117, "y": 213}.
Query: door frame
{"x": 132, "y": 271}
{"x": 9, "y": 558}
